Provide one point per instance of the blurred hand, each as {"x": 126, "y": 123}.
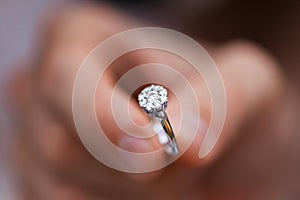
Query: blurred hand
{"x": 53, "y": 164}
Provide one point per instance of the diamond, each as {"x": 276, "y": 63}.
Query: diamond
{"x": 153, "y": 99}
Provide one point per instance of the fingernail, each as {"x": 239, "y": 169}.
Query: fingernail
{"x": 135, "y": 145}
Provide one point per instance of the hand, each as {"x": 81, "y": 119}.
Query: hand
{"x": 55, "y": 165}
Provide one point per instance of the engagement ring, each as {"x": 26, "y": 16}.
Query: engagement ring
{"x": 153, "y": 100}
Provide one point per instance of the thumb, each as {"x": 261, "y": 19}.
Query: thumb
{"x": 252, "y": 85}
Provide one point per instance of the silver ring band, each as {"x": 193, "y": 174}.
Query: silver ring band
{"x": 165, "y": 123}
{"x": 153, "y": 99}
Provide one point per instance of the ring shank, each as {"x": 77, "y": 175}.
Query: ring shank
{"x": 165, "y": 123}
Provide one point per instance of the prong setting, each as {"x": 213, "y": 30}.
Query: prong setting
{"x": 153, "y": 99}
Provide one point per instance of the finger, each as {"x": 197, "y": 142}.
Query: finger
{"x": 252, "y": 84}
{"x": 64, "y": 55}
{"x": 56, "y": 152}
{"x": 70, "y": 36}
{"x": 58, "y": 165}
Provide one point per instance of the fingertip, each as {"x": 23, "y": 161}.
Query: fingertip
{"x": 135, "y": 145}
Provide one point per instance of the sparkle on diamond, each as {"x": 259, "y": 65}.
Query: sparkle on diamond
{"x": 153, "y": 98}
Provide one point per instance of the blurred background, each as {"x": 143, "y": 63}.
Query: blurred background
{"x": 18, "y": 29}
{"x": 272, "y": 24}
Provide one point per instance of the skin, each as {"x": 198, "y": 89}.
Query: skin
{"x": 248, "y": 162}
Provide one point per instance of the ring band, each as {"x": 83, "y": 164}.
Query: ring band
{"x": 153, "y": 99}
